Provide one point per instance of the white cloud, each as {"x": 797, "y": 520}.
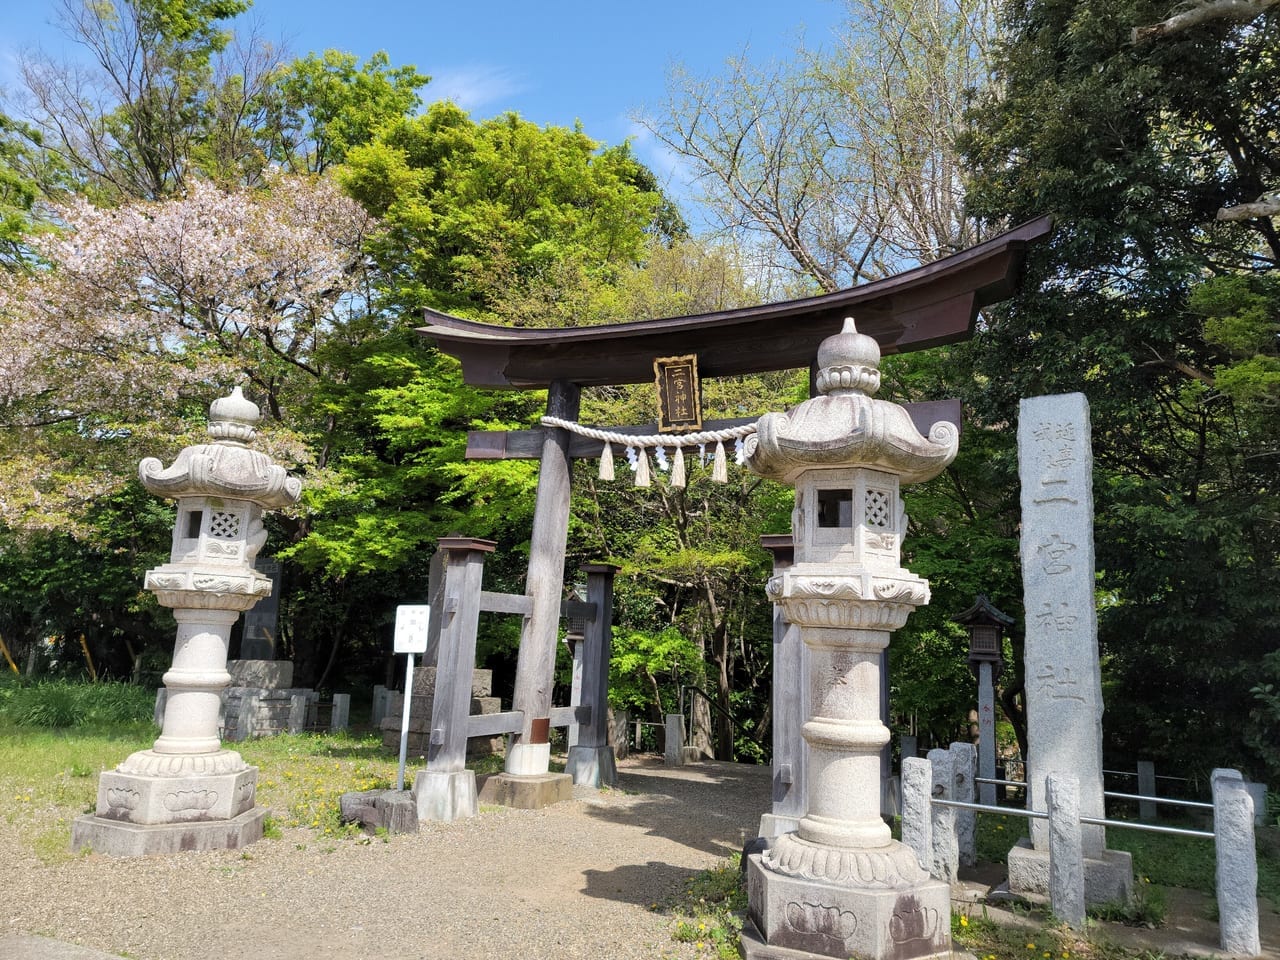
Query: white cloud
{"x": 475, "y": 86}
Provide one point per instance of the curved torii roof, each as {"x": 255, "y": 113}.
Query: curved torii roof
{"x": 923, "y": 307}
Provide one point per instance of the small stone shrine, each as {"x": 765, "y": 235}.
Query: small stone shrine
{"x": 187, "y": 792}
{"x": 839, "y": 885}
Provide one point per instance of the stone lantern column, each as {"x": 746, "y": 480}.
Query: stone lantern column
{"x": 186, "y": 792}
{"x": 839, "y": 885}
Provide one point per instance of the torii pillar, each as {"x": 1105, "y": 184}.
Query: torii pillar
{"x": 527, "y": 780}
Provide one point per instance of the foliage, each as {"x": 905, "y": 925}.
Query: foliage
{"x": 644, "y": 665}
{"x": 1140, "y": 300}
{"x": 472, "y": 211}
{"x": 1264, "y": 718}
{"x": 61, "y": 704}
{"x": 327, "y": 105}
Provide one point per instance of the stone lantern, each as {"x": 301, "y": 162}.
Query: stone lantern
{"x": 986, "y": 659}
{"x": 839, "y": 885}
{"x": 186, "y": 792}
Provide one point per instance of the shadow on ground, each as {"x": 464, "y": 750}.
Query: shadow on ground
{"x": 646, "y": 885}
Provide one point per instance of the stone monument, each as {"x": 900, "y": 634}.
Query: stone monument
{"x": 186, "y": 792}
{"x": 839, "y": 885}
{"x": 1063, "y": 680}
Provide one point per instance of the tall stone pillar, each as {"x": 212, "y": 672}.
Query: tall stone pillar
{"x": 839, "y": 885}
{"x": 186, "y": 792}
{"x": 790, "y": 699}
{"x": 1063, "y": 676}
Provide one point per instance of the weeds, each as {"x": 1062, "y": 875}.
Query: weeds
{"x": 708, "y": 913}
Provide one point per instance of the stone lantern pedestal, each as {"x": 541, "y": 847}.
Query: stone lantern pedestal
{"x": 839, "y": 885}
{"x": 187, "y": 792}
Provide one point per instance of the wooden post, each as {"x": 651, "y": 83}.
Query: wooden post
{"x": 530, "y": 751}
{"x": 591, "y": 759}
{"x": 446, "y": 790}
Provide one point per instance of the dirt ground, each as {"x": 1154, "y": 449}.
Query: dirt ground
{"x": 576, "y": 880}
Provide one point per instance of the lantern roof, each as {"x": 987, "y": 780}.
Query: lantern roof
{"x": 983, "y": 612}
{"x": 226, "y": 467}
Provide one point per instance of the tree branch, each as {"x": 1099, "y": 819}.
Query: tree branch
{"x": 1267, "y": 205}
{"x": 1238, "y": 11}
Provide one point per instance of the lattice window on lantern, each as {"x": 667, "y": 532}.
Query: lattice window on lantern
{"x": 876, "y": 509}
{"x": 224, "y": 526}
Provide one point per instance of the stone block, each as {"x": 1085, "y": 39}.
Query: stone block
{"x": 530, "y": 792}
{"x": 340, "y": 718}
{"x": 271, "y": 674}
{"x": 396, "y": 811}
{"x": 1066, "y": 853}
{"x": 964, "y": 768}
{"x": 592, "y": 766}
{"x": 946, "y": 845}
{"x": 917, "y": 814}
{"x": 357, "y": 806}
{"x": 140, "y": 799}
{"x": 116, "y": 838}
{"x": 1107, "y": 879}
{"x": 1237, "y": 865}
{"x": 823, "y": 919}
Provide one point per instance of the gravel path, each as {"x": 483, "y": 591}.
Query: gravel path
{"x": 576, "y": 880}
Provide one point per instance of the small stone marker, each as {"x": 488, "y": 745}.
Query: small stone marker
{"x": 946, "y": 850}
{"x": 964, "y": 766}
{"x": 917, "y": 809}
{"x": 1237, "y": 864}
{"x": 673, "y": 755}
{"x": 1147, "y": 788}
{"x": 1066, "y": 857}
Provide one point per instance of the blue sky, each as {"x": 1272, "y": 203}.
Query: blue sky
{"x": 553, "y": 62}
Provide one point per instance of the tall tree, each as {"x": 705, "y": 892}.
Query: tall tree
{"x": 328, "y": 103}
{"x": 1140, "y": 301}
{"x": 127, "y": 125}
{"x": 843, "y": 161}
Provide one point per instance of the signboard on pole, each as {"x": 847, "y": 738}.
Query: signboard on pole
{"x": 412, "y": 626}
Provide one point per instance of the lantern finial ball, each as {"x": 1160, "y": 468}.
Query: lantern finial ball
{"x": 233, "y": 418}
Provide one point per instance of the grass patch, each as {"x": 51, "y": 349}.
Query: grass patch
{"x": 48, "y": 777}
{"x": 1159, "y": 859}
{"x": 63, "y": 704}
{"x": 708, "y": 912}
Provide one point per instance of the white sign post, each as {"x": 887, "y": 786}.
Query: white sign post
{"x": 410, "y": 638}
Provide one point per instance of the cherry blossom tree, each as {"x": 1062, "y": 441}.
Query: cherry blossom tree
{"x": 142, "y": 312}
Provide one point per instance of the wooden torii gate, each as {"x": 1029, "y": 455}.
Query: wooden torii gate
{"x": 924, "y": 307}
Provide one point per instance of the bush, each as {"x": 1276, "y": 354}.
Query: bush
{"x": 62, "y": 704}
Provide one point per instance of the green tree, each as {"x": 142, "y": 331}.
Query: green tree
{"x": 328, "y": 103}
{"x": 153, "y": 62}
{"x": 1140, "y": 301}
{"x": 471, "y": 210}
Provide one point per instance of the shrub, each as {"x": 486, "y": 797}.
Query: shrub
{"x": 62, "y": 704}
